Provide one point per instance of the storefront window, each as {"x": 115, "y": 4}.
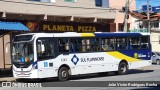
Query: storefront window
{"x": 42, "y": 0}
{"x": 69, "y": 0}
{"x": 98, "y": 3}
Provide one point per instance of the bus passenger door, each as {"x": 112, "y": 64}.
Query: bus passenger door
{"x": 45, "y": 69}
{"x": 45, "y": 56}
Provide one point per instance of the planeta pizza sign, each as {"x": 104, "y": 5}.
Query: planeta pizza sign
{"x": 67, "y": 28}
{"x": 59, "y": 27}
{"x": 48, "y": 26}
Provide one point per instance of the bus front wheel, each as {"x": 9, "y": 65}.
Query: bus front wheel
{"x": 123, "y": 68}
{"x": 63, "y": 74}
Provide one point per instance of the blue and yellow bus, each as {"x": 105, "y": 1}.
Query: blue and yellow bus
{"x": 44, "y": 55}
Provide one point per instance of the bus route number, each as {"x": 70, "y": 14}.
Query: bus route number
{"x": 64, "y": 59}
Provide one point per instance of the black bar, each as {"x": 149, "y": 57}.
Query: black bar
{"x": 84, "y": 84}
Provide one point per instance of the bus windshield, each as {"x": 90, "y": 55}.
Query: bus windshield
{"x": 22, "y": 52}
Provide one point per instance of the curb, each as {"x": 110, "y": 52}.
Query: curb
{"x": 7, "y": 79}
{"x": 148, "y": 68}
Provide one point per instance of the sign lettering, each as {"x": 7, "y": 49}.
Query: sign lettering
{"x": 63, "y": 28}
{"x": 79, "y": 27}
{"x": 92, "y": 59}
{"x": 86, "y": 29}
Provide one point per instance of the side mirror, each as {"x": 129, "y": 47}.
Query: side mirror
{"x": 40, "y": 46}
{"x": 154, "y": 55}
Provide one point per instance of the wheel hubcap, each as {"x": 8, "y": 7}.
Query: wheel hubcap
{"x": 123, "y": 68}
{"x": 64, "y": 74}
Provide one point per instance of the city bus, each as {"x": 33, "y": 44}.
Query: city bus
{"x": 61, "y": 55}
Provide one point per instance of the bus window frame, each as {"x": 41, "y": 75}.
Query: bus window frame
{"x": 114, "y": 44}
{"x": 81, "y": 45}
{"x": 92, "y": 49}
{"x": 126, "y": 42}
{"x": 140, "y": 42}
{"x": 80, "y": 38}
{"x": 57, "y": 39}
{"x": 132, "y": 44}
{"x": 149, "y": 44}
{"x": 44, "y": 57}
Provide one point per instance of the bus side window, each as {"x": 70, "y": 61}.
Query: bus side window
{"x": 79, "y": 45}
{"x": 104, "y": 45}
{"x": 92, "y": 44}
{"x": 111, "y": 44}
{"x": 121, "y": 43}
{"x": 60, "y": 46}
{"x": 66, "y": 46}
{"x": 45, "y": 48}
{"x": 63, "y": 45}
{"x": 144, "y": 42}
{"x": 83, "y": 45}
{"x": 134, "y": 43}
{"x": 73, "y": 45}
{"x": 107, "y": 44}
{"x": 88, "y": 44}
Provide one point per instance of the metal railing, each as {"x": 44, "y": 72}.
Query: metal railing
{"x": 138, "y": 30}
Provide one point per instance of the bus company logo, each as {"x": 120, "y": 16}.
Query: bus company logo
{"x": 17, "y": 84}
{"x": 75, "y": 59}
{"x": 6, "y": 84}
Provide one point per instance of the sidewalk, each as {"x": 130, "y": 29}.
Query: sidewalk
{"x": 5, "y": 79}
{"x": 151, "y": 67}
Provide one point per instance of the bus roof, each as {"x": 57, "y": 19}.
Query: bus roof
{"x": 96, "y": 34}
{"x": 119, "y": 34}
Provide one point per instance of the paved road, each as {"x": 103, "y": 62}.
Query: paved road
{"x": 151, "y": 73}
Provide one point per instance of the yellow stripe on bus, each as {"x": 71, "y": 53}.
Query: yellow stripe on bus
{"x": 122, "y": 56}
{"x": 87, "y": 34}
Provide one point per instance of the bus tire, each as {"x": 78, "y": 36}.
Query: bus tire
{"x": 158, "y": 62}
{"x": 122, "y": 68}
{"x": 63, "y": 74}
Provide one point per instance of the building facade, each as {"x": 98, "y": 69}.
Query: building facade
{"x": 141, "y": 24}
{"x": 104, "y": 12}
{"x": 101, "y": 11}
{"x": 119, "y": 19}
